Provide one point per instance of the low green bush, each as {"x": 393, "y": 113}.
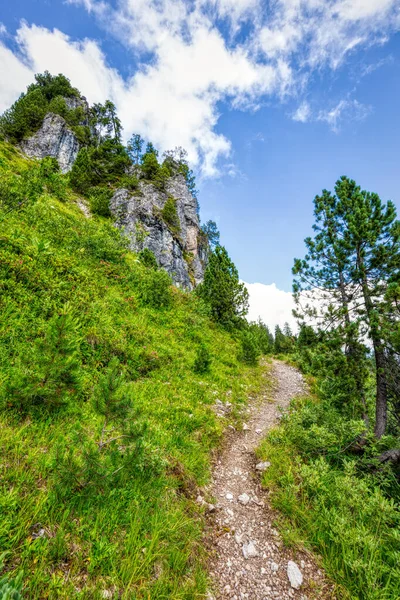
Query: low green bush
{"x": 148, "y": 258}
{"x": 155, "y": 289}
{"x": 331, "y": 504}
{"x": 169, "y": 214}
{"x": 203, "y": 359}
{"x": 99, "y": 200}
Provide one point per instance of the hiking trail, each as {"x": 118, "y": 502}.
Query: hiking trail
{"x": 248, "y": 559}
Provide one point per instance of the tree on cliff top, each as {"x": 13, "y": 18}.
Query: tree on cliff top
{"x": 26, "y": 115}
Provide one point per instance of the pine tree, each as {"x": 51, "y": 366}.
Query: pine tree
{"x": 280, "y": 341}
{"x": 371, "y": 235}
{"x": 324, "y": 290}
{"x": 355, "y": 253}
{"x": 49, "y": 376}
{"x": 210, "y": 229}
{"x": 150, "y": 149}
{"x": 134, "y": 147}
{"x": 221, "y": 289}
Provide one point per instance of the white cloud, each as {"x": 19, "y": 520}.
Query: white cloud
{"x": 187, "y": 65}
{"x": 303, "y": 113}
{"x": 272, "y": 305}
{"x": 345, "y": 110}
{"x": 14, "y": 75}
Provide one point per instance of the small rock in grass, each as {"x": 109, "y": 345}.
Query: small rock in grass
{"x": 294, "y": 574}
{"x": 263, "y": 466}
{"x": 244, "y": 499}
{"x": 245, "y": 427}
{"x": 249, "y": 550}
{"x": 106, "y": 594}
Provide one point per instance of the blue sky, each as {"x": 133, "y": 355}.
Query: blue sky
{"x": 273, "y": 101}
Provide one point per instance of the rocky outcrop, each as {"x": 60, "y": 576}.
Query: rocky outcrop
{"x": 181, "y": 250}
{"x": 54, "y": 138}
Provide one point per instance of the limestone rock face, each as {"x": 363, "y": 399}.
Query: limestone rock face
{"x": 182, "y": 254}
{"x": 55, "y": 139}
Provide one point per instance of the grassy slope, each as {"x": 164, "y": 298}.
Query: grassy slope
{"x": 139, "y": 537}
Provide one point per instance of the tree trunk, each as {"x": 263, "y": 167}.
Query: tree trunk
{"x": 381, "y": 390}
{"x": 351, "y": 350}
{"x": 379, "y": 351}
{"x": 392, "y": 456}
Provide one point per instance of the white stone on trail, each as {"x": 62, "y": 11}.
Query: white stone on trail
{"x": 263, "y": 466}
{"x": 244, "y": 499}
{"x": 258, "y": 431}
{"x": 274, "y": 566}
{"x": 294, "y": 574}
{"x": 245, "y": 427}
{"x": 229, "y": 496}
{"x": 249, "y": 550}
{"x": 238, "y": 538}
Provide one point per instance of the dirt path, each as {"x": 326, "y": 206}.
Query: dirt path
{"x": 249, "y": 560}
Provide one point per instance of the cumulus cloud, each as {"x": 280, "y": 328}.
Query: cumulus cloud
{"x": 187, "y": 64}
{"x": 272, "y": 305}
{"x": 14, "y": 75}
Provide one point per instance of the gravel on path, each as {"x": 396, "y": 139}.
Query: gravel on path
{"x": 248, "y": 559}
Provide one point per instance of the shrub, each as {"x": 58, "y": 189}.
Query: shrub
{"x": 105, "y": 163}
{"x": 58, "y": 106}
{"x": 150, "y": 166}
{"x": 148, "y": 258}
{"x": 202, "y": 361}
{"x": 80, "y": 175}
{"x": 53, "y": 180}
{"x": 17, "y": 191}
{"x": 162, "y": 176}
{"x": 170, "y": 216}
{"x": 249, "y": 349}
{"x": 345, "y": 517}
{"x": 154, "y": 289}
{"x": 49, "y": 373}
{"x": 10, "y": 588}
{"x": 129, "y": 182}
{"x": 99, "y": 199}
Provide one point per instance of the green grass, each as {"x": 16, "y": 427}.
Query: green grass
{"x": 78, "y": 520}
{"x": 329, "y": 505}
